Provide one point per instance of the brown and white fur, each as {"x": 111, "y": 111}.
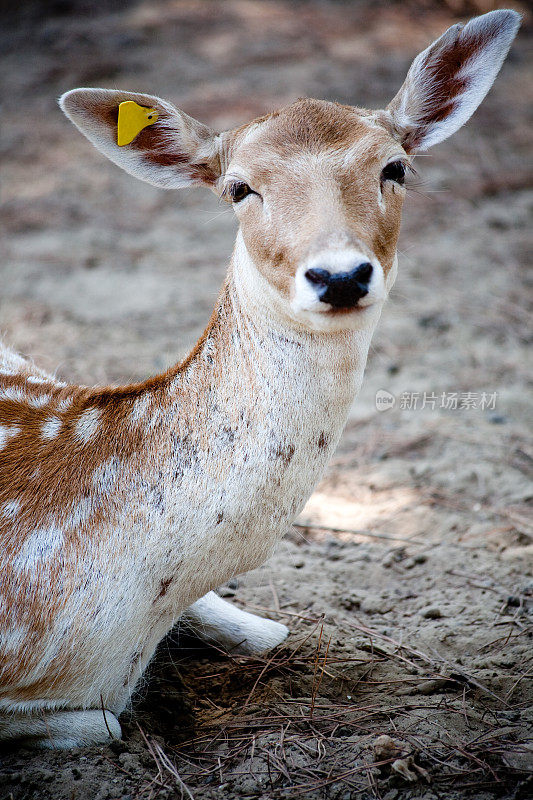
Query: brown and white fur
{"x": 121, "y": 509}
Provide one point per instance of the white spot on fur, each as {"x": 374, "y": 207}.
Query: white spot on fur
{"x": 12, "y": 639}
{"x": 156, "y": 417}
{"x": 79, "y": 514}
{"x": 51, "y": 428}
{"x": 381, "y": 200}
{"x": 36, "y": 379}
{"x": 64, "y": 404}
{"x": 140, "y": 408}
{"x": 305, "y": 294}
{"x": 87, "y": 425}
{"x": 208, "y": 351}
{"x": 41, "y": 545}
{"x": 7, "y": 432}
{"x": 10, "y": 509}
{"x": 13, "y": 393}
{"x": 39, "y": 400}
{"x": 105, "y": 475}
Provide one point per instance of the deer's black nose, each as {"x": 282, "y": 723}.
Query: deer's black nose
{"x": 341, "y": 289}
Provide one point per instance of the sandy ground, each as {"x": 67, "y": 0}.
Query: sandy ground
{"x": 408, "y": 583}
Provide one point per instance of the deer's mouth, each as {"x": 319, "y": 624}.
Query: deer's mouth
{"x": 355, "y": 309}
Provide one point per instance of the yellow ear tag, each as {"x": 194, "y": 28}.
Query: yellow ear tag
{"x": 132, "y": 119}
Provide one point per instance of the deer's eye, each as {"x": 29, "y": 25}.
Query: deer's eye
{"x": 238, "y": 190}
{"x": 395, "y": 171}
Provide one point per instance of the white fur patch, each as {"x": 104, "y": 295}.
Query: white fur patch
{"x": 40, "y": 546}
{"x": 305, "y": 294}
{"x": 106, "y": 474}
{"x": 64, "y": 404}
{"x": 11, "y": 363}
{"x": 140, "y": 408}
{"x": 87, "y": 425}
{"x": 51, "y": 428}
{"x": 36, "y": 380}
{"x": 79, "y": 513}
{"x": 12, "y": 639}
{"x": 7, "y": 432}
{"x": 39, "y": 400}
{"x": 13, "y": 393}
{"x": 10, "y": 509}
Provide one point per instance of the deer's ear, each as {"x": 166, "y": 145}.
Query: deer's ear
{"x": 449, "y": 79}
{"x": 173, "y": 151}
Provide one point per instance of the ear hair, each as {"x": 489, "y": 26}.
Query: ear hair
{"x": 174, "y": 152}
{"x": 449, "y": 79}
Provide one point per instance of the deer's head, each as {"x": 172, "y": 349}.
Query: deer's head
{"x": 317, "y": 187}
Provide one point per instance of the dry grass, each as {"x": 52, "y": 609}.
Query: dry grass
{"x": 263, "y": 739}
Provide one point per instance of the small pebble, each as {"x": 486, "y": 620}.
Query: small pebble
{"x": 513, "y": 601}
{"x": 385, "y": 747}
{"x": 433, "y": 612}
{"x": 430, "y": 687}
{"x": 373, "y": 604}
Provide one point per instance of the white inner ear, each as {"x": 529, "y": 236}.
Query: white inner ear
{"x": 492, "y": 34}
{"x": 177, "y": 133}
{"x": 479, "y": 73}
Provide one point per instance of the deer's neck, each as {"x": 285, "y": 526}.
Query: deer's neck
{"x": 254, "y": 361}
{"x": 251, "y": 420}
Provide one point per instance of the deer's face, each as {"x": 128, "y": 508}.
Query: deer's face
{"x": 317, "y": 186}
{"x": 318, "y": 191}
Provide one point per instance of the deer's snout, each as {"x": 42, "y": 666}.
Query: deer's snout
{"x": 341, "y": 289}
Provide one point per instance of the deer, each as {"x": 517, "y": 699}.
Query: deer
{"x": 122, "y": 509}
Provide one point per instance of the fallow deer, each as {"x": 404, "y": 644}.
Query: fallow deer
{"x": 122, "y": 509}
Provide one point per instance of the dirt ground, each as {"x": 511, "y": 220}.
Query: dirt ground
{"x": 408, "y": 582}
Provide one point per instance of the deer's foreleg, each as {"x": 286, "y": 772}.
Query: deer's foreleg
{"x": 221, "y": 623}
